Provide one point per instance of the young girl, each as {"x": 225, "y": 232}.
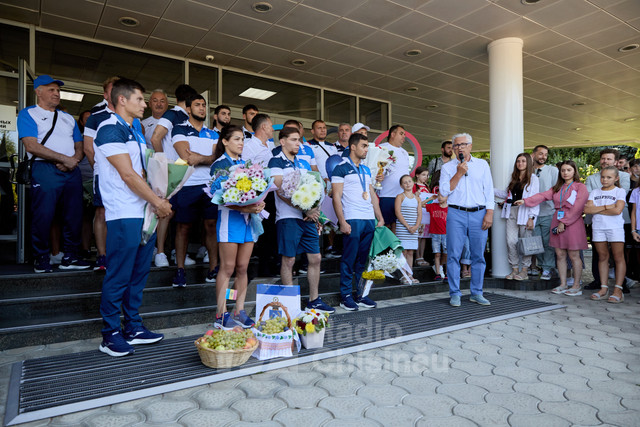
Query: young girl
{"x": 422, "y": 191}
{"x": 568, "y": 235}
{"x": 438, "y": 212}
{"x": 234, "y": 236}
{"x": 409, "y": 215}
{"x": 606, "y": 205}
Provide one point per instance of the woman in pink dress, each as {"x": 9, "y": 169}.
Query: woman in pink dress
{"x": 568, "y": 235}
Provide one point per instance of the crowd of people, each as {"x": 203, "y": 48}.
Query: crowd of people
{"x": 449, "y": 202}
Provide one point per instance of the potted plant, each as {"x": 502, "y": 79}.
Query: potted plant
{"x": 311, "y": 325}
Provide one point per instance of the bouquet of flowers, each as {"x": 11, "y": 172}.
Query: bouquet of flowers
{"x": 311, "y": 321}
{"x": 306, "y": 190}
{"x": 381, "y": 162}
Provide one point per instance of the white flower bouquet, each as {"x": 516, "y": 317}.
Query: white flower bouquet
{"x": 306, "y": 190}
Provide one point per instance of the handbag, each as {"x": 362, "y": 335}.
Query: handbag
{"x": 23, "y": 172}
{"x": 531, "y": 245}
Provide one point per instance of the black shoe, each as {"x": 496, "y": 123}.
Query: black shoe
{"x": 592, "y": 286}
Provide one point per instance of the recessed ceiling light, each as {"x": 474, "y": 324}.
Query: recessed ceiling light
{"x": 298, "y": 62}
{"x": 262, "y": 7}
{"x": 629, "y": 47}
{"x": 260, "y": 94}
{"x": 529, "y": 2}
{"x": 578, "y": 104}
{"x": 411, "y": 89}
{"x": 631, "y": 119}
{"x": 70, "y": 96}
{"x": 128, "y": 21}
{"x": 413, "y": 52}
{"x": 577, "y": 128}
{"x": 432, "y": 106}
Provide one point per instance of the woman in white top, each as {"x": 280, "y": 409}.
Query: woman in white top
{"x": 520, "y": 219}
{"x": 606, "y": 205}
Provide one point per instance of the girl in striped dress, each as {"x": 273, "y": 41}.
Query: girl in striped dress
{"x": 409, "y": 217}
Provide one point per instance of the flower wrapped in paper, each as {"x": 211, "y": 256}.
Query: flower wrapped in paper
{"x": 381, "y": 162}
{"x": 306, "y": 190}
{"x": 165, "y": 179}
{"x": 385, "y": 257}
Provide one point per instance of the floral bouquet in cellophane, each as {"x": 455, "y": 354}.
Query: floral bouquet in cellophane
{"x": 311, "y": 321}
{"x": 306, "y": 190}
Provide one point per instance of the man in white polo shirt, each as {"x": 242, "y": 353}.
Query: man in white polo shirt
{"x": 53, "y": 138}
{"x": 120, "y": 154}
{"x": 159, "y": 104}
{"x": 391, "y": 182}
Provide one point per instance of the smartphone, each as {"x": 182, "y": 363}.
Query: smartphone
{"x": 554, "y": 230}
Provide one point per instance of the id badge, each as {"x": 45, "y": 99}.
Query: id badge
{"x": 560, "y": 214}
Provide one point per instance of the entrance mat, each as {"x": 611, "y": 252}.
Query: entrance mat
{"x": 52, "y": 386}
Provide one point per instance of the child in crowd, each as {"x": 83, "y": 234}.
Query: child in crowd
{"x": 606, "y": 205}
{"x": 438, "y": 231}
{"x": 409, "y": 216}
{"x": 422, "y": 190}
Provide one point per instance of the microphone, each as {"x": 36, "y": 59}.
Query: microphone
{"x": 461, "y": 158}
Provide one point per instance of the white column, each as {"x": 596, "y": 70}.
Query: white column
{"x": 507, "y": 134}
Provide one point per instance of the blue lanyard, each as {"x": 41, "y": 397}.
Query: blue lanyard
{"x": 362, "y": 178}
{"x": 296, "y": 164}
{"x": 233, "y": 162}
{"x": 564, "y": 192}
{"x": 139, "y": 139}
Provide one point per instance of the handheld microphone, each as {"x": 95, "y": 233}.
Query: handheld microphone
{"x": 461, "y": 158}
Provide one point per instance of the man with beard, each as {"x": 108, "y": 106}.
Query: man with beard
{"x": 221, "y": 117}
{"x": 547, "y": 177}
{"x": 436, "y": 164}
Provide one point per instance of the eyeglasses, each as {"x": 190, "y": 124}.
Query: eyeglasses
{"x": 461, "y": 145}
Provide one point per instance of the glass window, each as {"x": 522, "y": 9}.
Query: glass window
{"x": 87, "y": 62}
{"x": 290, "y": 100}
{"x": 339, "y": 108}
{"x": 203, "y": 78}
{"x": 14, "y": 44}
{"x": 374, "y": 114}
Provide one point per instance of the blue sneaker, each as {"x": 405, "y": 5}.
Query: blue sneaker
{"x": 101, "y": 263}
{"x": 43, "y": 265}
{"x": 72, "y": 262}
{"x": 319, "y": 305}
{"x": 224, "y": 322}
{"x": 479, "y": 299}
{"x": 348, "y": 303}
{"x": 211, "y": 275}
{"x": 242, "y": 319}
{"x": 141, "y": 335}
{"x": 180, "y": 279}
{"x": 115, "y": 345}
{"x": 455, "y": 301}
{"x": 366, "y": 302}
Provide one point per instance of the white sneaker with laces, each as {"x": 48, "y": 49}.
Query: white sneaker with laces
{"x": 187, "y": 260}
{"x": 205, "y": 259}
{"x": 442, "y": 271}
{"x": 56, "y": 259}
{"x": 202, "y": 251}
{"x": 546, "y": 275}
{"x": 160, "y": 260}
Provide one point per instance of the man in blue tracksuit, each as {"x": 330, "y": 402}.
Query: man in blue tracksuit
{"x": 55, "y": 177}
{"x": 120, "y": 159}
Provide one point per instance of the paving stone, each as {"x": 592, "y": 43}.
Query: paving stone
{"x": 610, "y": 365}
{"x": 598, "y": 345}
{"x": 556, "y": 328}
{"x": 629, "y": 336}
{"x": 605, "y": 328}
{"x": 561, "y": 358}
{"x": 505, "y": 328}
{"x": 566, "y": 381}
{"x": 351, "y": 423}
{"x": 445, "y": 342}
{"x": 625, "y": 357}
{"x": 589, "y": 372}
{"x": 463, "y": 393}
{"x": 261, "y": 389}
{"x": 541, "y": 366}
{"x": 546, "y": 420}
{"x": 340, "y": 386}
{"x": 484, "y": 415}
{"x": 436, "y": 405}
{"x": 517, "y": 403}
{"x": 458, "y": 354}
{"x": 482, "y": 348}
{"x": 579, "y": 351}
{"x": 450, "y": 376}
{"x": 383, "y": 395}
{"x": 474, "y": 368}
{"x": 519, "y": 353}
{"x": 602, "y": 401}
{"x": 632, "y": 404}
{"x": 419, "y": 346}
{"x": 302, "y": 397}
{"x": 300, "y": 378}
{"x": 453, "y": 421}
{"x": 542, "y": 391}
{"x": 492, "y": 383}
{"x": 499, "y": 360}
{"x": 168, "y": 410}
{"x": 77, "y": 417}
{"x": 393, "y": 415}
{"x": 374, "y": 377}
{"x": 517, "y": 374}
{"x": 303, "y": 417}
{"x": 257, "y": 409}
{"x": 345, "y": 406}
{"x": 467, "y": 337}
{"x": 203, "y": 417}
{"x": 616, "y": 341}
{"x": 629, "y": 418}
{"x": 113, "y": 420}
{"x": 334, "y": 369}
{"x": 421, "y": 363}
{"x": 539, "y": 347}
{"x": 619, "y": 388}
{"x": 417, "y": 385}
{"x": 574, "y": 412}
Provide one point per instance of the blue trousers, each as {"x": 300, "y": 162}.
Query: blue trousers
{"x": 461, "y": 225}
{"x": 128, "y": 266}
{"x": 355, "y": 252}
{"x": 51, "y": 187}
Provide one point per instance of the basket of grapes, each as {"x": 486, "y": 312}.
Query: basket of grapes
{"x": 275, "y": 336}
{"x": 226, "y": 349}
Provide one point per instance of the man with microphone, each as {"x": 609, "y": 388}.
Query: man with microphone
{"x": 466, "y": 182}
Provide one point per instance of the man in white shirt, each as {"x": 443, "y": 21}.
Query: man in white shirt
{"x": 344, "y": 132}
{"x": 547, "y": 178}
{"x": 469, "y": 188}
{"x": 391, "y": 182}
{"x": 159, "y": 104}
{"x": 322, "y": 149}
{"x": 257, "y": 148}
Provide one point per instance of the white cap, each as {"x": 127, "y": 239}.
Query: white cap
{"x": 359, "y": 126}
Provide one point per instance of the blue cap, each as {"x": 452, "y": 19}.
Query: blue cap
{"x": 45, "y": 80}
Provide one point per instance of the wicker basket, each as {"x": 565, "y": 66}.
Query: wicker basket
{"x": 224, "y": 358}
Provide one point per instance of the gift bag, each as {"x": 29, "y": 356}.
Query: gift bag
{"x": 288, "y": 296}
{"x": 530, "y": 245}
{"x": 280, "y": 344}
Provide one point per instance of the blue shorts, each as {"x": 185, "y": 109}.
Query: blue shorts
{"x": 232, "y": 227}
{"x": 191, "y": 203}
{"x": 296, "y": 236}
{"x": 388, "y": 209}
{"x": 439, "y": 241}
{"x": 97, "y": 198}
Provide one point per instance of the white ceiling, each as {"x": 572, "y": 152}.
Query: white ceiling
{"x": 570, "y": 54}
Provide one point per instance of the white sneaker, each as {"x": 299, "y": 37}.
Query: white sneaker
{"x": 546, "y": 275}
{"x": 160, "y": 260}
{"x": 612, "y": 273}
{"x": 56, "y": 259}
{"x": 631, "y": 283}
{"x": 434, "y": 269}
{"x": 442, "y": 271}
{"x": 187, "y": 259}
{"x": 205, "y": 259}
{"x": 202, "y": 252}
